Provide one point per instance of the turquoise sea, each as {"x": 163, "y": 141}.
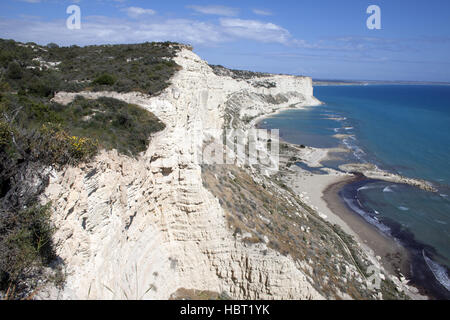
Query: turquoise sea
{"x": 403, "y": 129}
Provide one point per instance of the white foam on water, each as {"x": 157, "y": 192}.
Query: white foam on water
{"x": 440, "y": 221}
{"x": 348, "y": 128}
{"x": 367, "y": 217}
{"x": 357, "y": 152}
{"x": 443, "y": 195}
{"x": 359, "y": 203}
{"x": 388, "y": 189}
{"x": 367, "y": 187}
{"x": 403, "y": 208}
{"x": 439, "y": 272}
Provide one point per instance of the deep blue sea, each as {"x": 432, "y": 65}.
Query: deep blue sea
{"x": 403, "y": 129}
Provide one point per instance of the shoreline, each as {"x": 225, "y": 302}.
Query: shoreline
{"x": 416, "y": 271}
{"x": 321, "y": 192}
{"x": 255, "y": 121}
{"x": 390, "y": 253}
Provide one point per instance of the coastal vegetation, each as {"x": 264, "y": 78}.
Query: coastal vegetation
{"x": 238, "y": 74}
{"x": 38, "y": 135}
{"x": 44, "y": 70}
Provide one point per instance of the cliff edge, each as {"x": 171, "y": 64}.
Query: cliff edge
{"x": 150, "y": 226}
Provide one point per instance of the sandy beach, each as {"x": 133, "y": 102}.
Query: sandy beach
{"x": 320, "y": 191}
{"x": 389, "y": 252}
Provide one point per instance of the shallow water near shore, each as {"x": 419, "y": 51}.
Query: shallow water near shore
{"x": 401, "y": 129}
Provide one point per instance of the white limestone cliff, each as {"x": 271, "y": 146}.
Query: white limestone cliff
{"x": 143, "y": 228}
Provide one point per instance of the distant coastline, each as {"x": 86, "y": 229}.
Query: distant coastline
{"x": 336, "y": 82}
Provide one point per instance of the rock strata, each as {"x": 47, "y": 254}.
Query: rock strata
{"x": 143, "y": 228}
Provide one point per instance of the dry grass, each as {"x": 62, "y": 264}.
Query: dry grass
{"x": 193, "y": 294}
{"x": 266, "y": 211}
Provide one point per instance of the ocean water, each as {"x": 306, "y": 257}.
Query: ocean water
{"x": 402, "y": 129}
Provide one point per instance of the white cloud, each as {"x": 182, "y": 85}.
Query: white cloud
{"x": 135, "y": 12}
{"x": 101, "y": 30}
{"x": 262, "y": 12}
{"x": 215, "y": 10}
{"x": 255, "y": 30}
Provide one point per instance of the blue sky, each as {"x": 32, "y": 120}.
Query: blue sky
{"x": 322, "y": 38}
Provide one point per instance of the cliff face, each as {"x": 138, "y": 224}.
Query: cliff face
{"x": 143, "y": 228}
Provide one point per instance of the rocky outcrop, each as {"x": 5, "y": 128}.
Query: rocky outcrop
{"x": 143, "y": 228}
{"x": 373, "y": 172}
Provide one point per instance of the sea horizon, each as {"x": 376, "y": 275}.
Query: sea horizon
{"x": 379, "y": 82}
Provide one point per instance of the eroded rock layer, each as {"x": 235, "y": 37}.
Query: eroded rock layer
{"x": 143, "y": 228}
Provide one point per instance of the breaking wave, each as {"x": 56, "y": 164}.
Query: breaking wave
{"x": 357, "y": 151}
{"x": 372, "y": 220}
{"x": 439, "y": 272}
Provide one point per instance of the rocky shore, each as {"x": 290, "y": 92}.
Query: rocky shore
{"x": 373, "y": 172}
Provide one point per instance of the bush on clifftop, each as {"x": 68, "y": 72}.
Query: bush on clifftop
{"x": 105, "y": 79}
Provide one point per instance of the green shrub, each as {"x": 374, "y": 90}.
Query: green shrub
{"x": 105, "y": 79}
{"x": 14, "y": 71}
{"x": 5, "y": 87}
{"x": 6, "y": 57}
{"x": 25, "y": 243}
{"x": 40, "y": 88}
{"x": 41, "y": 113}
{"x": 115, "y": 124}
{"x": 62, "y": 148}
{"x": 5, "y": 134}
{"x": 52, "y": 45}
